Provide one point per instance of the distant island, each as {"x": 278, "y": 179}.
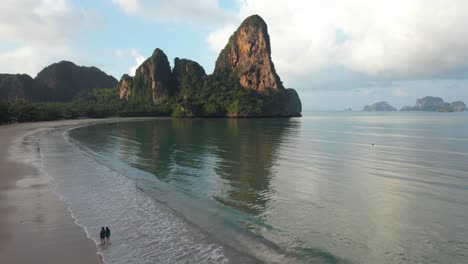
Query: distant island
{"x": 244, "y": 84}
{"x": 435, "y": 104}
{"x": 380, "y": 106}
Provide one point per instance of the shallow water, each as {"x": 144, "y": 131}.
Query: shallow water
{"x": 306, "y": 190}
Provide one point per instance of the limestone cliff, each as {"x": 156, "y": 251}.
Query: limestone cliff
{"x": 188, "y": 76}
{"x": 244, "y": 83}
{"x": 292, "y": 105}
{"x": 15, "y": 86}
{"x": 125, "y": 85}
{"x": 62, "y": 81}
{"x": 58, "y": 82}
{"x": 248, "y": 55}
{"x": 152, "y": 80}
{"x": 436, "y": 104}
{"x": 458, "y": 106}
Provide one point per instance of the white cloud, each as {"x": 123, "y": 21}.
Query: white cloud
{"x": 218, "y": 39}
{"x": 134, "y": 54}
{"x": 139, "y": 59}
{"x": 37, "y": 33}
{"x": 187, "y": 11}
{"x": 119, "y": 53}
{"x": 392, "y": 40}
{"x": 31, "y": 59}
{"x": 23, "y": 54}
{"x": 45, "y": 22}
{"x": 132, "y": 7}
{"x": 400, "y": 92}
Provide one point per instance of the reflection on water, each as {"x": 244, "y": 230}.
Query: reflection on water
{"x": 230, "y": 160}
{"x": 316, "y": 185}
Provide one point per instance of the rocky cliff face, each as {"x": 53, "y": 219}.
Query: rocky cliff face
{"x": 292, "y": 105}
{"x": 155, "y": 74}
{"x": 125, "y": 85}
{"x": 58, "y": 82}
{"x": 458, "y": 106}
{"x": 430, "y": 101}
{"x": 380, "y": 106}
{"x": 244, "y": 84}
{"x": 14, "y": 86}
{"x": 248, "y": 55}
{"x": 435, "y": 104}
{"x": 188, "y": 76}
{"x": 62, "y": 81}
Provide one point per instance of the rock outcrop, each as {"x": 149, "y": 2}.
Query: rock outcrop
{"x": 61, "y": 82}
{"x": 58, "y": 82}
{"x": 18, "y": 86}
{"x": 187, "y": 75}
{"x": 244, "y": 83}
{"x": 291, "y": 105}
{"x": 458, "y": 106}
{"x": 155, "y": 74}
{"x": 380, "y": 106}
{"x": 435, "y": 104}
{"x": 248, "y": 55}
{"x": 125, "y": 85}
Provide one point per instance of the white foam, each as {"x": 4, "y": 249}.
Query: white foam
{"x": 144, "y": 231}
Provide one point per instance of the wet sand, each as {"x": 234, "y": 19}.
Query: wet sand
{"x": 35, "y": 225}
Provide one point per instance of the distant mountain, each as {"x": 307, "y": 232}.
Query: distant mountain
{"x": 435, "y": 104}
{"x": 64, "y": 80}
{"x": 59, "y": 82}
{"x": 380, "y": 106}
{"x": 244, "y": 82}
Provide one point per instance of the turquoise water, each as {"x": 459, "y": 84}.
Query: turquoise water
{"x": 303, "y": 190}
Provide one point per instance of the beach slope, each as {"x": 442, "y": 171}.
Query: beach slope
{"x": 35, "y": 225}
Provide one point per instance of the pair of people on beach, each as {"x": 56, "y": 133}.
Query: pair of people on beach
{"x": 105, "y": 235}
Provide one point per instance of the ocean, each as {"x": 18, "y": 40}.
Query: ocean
{"x": 330, "y": 187}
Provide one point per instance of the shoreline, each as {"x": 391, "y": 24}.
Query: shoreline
{"x": 36, "y": 226}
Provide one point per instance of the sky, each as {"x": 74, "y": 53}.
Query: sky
{"x": 336, "y": 53}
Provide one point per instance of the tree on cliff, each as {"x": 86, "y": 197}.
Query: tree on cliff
{"x": 244, "y": 83}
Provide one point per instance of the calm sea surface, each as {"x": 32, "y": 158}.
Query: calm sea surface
{"x": 306, "y": 190}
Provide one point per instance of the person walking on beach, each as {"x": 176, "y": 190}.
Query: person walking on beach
{"x": 103, "y": 236}
{"x": 108, "y": 234}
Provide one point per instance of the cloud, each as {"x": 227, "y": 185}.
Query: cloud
{"x": 135, "y": 55}
{"x": 45, "y": 22}
{"x": 400, "y": 92}
{"x": 139, "y": 59}
{"x": 31, "y": 59}
{"x": 376, "y": 39}
{"x": 119, "y": 53}
{"x": 36, "y": 33}
{"x": 201, "y": 12}
{"x": 132, "y": 7}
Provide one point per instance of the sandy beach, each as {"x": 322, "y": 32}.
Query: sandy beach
{"x": 35, "y": 225}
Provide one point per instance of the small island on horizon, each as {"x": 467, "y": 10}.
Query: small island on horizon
{"x": 435, "y": 104}
{"x": 380, "y": 106}
{"x": 427, "y": 103}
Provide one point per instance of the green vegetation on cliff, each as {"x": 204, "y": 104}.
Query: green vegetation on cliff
{"x": 244, "y": 82}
